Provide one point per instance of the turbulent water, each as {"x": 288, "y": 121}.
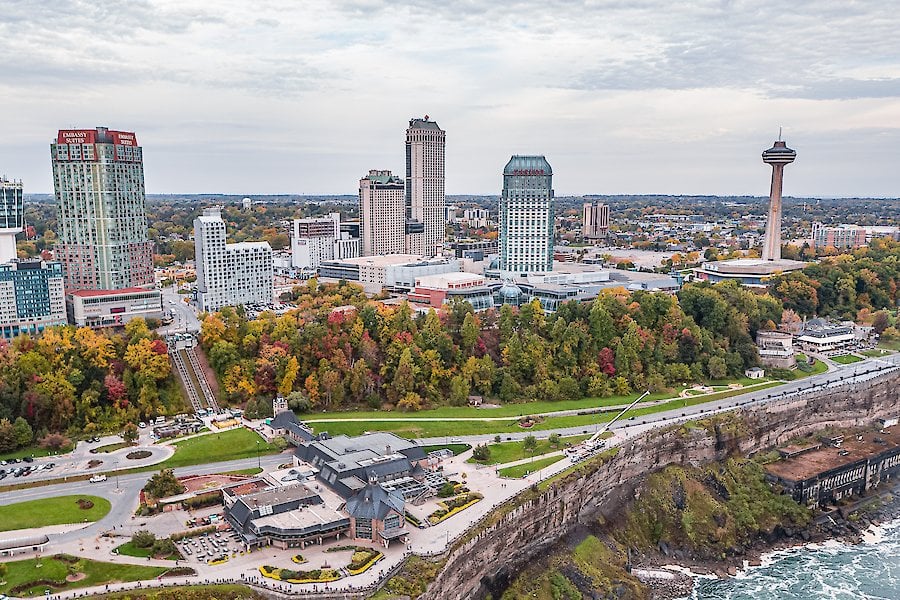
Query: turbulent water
{"x": 834, "y": 571}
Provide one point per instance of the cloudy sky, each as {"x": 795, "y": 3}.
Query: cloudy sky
{"x": 637, "y": 96}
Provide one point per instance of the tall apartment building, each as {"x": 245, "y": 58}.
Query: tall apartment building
{"x": 229, "y": 274}
{"x": 841, "y": 236}
{"x": 382, "y": 214}
{"x": 12, "y": 217}
{"x": 595, "y": 221}
{"x": 320, "y": 238}
{"x": 98, "y": 176}
{"x": 425, "y": 200}
{"x": 526, "y": 217}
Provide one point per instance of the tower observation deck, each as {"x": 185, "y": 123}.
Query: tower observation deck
{"x": 778, "y": 156}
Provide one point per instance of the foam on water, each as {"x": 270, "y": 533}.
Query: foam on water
{"x": 831, "y": 570}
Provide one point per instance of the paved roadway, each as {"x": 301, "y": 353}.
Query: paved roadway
{"x": 185, "y": 317}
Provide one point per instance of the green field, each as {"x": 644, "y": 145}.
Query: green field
{"x": 817, "y": 368}
{"x": 889, "y": 344}
{"x": 217, "y": 447}
{"x": 507, "y": 410}
{"x": 129, "y": 549}
{"x": 846, "y": 359}
{"x": 506, "y": 452}
{"x": 416, "y": 428}
{"x": 454, "y": 448}
{"x": 35, "y": 451}
{"x": 110, "y": 448}
{"x": 42, "y": 570}
{"x": 59, "y": 510}
{"x": 875, "y": 352}
{"x": 530, "y": 467}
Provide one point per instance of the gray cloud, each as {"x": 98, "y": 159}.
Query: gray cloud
{"x": 331, "y": 83}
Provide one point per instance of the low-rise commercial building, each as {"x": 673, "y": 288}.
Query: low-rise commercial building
{"x": 433, "y": 291}
{"x": 394, "y": 271}
{"x": 112, "y": 308}
{"x": 821, "y": 337}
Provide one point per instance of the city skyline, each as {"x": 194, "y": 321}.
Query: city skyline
{"x": 264, "y": 100}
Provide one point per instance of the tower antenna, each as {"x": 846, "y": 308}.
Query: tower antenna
{"x": 779, "y": 133}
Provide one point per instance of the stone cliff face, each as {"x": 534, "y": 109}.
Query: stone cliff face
{"x": 491, "y": 554}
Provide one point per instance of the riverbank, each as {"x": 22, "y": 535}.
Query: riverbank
{"x": 672, "y": 575}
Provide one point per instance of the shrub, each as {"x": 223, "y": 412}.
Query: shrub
{"x": 163, "y": 547}
{"x": 54, "y": 441}
{"x": 481, "y": 453}
{"x": 84, "y": 504}
{"x": 143, "y": 539}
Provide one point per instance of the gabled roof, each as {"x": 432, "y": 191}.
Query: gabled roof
{"x": 374, "y": 502}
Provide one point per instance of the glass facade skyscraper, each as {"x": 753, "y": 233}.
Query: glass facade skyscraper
{"x": 12, "y": 217}
{"x": 526, "y": 217}
{"x": 31, "y": 297}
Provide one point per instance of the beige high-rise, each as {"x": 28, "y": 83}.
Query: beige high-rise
{"x": 425, "y": 200}
{"x": 382, "y": 214}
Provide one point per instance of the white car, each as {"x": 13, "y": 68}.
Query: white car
{"x": 142, "y": 425}
{"x": 97, "y": 478}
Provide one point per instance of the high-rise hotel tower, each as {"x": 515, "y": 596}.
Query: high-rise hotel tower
{"x": 12, "y": 217}
{"x": 425, "y": 200}
{"x": 381, "y": 213}
{"x": 526, "y": 217}
{"x": 98, "y": 176}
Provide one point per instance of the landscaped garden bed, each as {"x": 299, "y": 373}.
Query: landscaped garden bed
{"x": 138, "y": 455}
{"x": 363, "y": 560}
{"x": 451, "y": 506}
{"x": 298, "y": 559}
{"x": 290, "y": 576}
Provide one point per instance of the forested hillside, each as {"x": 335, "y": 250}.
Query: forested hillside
{"x": 388, "y": 356}
{"x": 81, "y": 380}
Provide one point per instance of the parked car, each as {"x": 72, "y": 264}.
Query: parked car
{"x": 142, "y": 425}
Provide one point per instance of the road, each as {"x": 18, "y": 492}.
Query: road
{"x": 185, "y": 317}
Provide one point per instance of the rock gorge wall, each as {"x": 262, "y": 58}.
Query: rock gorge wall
{"x": 496, "y": 548}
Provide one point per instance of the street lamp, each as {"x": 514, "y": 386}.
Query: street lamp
{"x": 258, "y": 459}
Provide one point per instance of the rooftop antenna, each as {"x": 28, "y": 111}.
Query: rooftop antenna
{"x": 779, "y": 134}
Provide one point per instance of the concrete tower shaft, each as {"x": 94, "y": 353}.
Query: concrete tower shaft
{"x": 778, "y": 156}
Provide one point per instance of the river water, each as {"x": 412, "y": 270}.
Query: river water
{"x": 833, "y": 571}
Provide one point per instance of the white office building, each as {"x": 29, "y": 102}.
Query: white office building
{"x": 229, "y": 274}
{"x": 526, "y": 217}
{"x": 382, "y": 214}
{"x": 320, "y": 238}
{"x": 426, "y": 205}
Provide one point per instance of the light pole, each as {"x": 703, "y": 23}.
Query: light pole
{"x": 258, "y": 459}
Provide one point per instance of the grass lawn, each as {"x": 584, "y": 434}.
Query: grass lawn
{"x": 511, "y": 451}
{"x": 846, "y": 359}
{"x": 817, "y": 368}
{"x": 889, "y": 344}
{"x": 60, "y": 510}
{"x": 875, "y": 352}
{"x": 129, "y": 549}
{"x": 530, "y": 467}
{"x": 110, "y": 448}
{"x": 217, "y": 447}
{"x": 455, "y": 448}
{"x": 250, "y": 471}
{"x": 34, "y": 451}
{"x": 23, "y": 572}
{"x": 422, "y": 429}
{"x": 507, "y": 410}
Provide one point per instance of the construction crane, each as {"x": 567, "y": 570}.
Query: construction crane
{"x": 594, "y": 443}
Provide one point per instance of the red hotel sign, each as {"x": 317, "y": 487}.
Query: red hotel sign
{"x": 76, "y": 136}
{"x": 123, "y": 138}
{"x": 528, "y": 172}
